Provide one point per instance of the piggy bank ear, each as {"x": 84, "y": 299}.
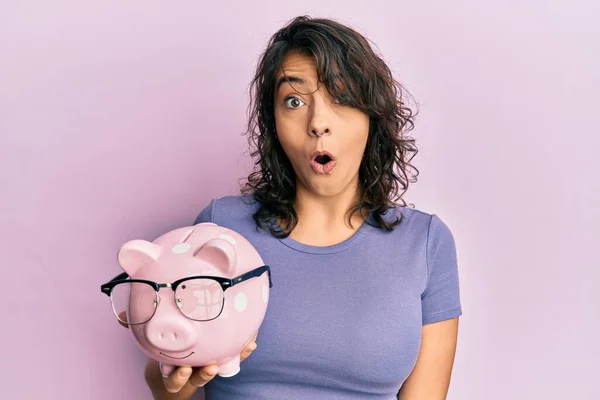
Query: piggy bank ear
{"x": 135, "y": 254}
{"x": 220, "y": 253}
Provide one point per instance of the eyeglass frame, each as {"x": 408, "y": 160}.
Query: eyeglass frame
{"x": 225, "y": 283}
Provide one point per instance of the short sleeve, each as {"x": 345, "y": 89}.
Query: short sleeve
{"x": 206, "y": 215}
{"x": 441, "y": 297}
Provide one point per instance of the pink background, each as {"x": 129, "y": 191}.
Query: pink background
{"x": 121, "y": 119}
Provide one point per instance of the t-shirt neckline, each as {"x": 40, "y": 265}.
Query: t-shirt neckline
{"x": 334, "y": 248}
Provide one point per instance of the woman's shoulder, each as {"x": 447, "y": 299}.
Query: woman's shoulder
{"x": 418, "y": 221}
{"x": 223, "y": 210}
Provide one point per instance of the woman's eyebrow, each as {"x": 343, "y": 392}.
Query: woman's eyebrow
{"x": 289, "y": 79}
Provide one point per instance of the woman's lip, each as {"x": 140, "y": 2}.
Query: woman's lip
{"x": 322, "y": 169}
{"x": 321, "y": 153}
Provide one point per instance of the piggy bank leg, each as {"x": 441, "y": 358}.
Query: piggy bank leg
{"x": 230, "y": 367}
{"x": 166, "y": 369}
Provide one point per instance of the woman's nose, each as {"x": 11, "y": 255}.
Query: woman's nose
{"x": 319, "y": 132}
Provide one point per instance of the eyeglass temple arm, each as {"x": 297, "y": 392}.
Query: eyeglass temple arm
{"x": 120, "y": 277}
{"x": 253, "y": 274}
{"x": 105, "y": 288}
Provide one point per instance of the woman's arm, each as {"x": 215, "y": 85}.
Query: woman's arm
{"x": 430, "y": 379}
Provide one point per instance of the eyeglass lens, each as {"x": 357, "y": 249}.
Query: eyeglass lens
{"x": 143, "y": 307}
{"x": 200, "y": 299}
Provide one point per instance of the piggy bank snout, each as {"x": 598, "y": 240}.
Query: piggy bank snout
{"x": 171, "y": 334}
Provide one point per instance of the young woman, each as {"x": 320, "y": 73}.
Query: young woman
{"x": 365, "y": 302}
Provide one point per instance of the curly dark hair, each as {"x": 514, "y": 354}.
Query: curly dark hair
{"x": 341, "y": 53}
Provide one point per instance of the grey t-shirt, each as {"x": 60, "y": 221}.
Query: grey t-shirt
{"x": 343, "y": 321}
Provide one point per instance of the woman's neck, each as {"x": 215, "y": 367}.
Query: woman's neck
{"x": 323, "y": 221}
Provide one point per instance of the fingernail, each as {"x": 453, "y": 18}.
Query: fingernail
{"x": 165, "y": 376}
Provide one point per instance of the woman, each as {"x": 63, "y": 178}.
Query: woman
{"x": 365, "y": 302}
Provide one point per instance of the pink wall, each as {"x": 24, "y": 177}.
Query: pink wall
{"x": 107, "y": 114}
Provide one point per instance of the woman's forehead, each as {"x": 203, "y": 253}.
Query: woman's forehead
{"x": 300, "y": 72}
{"x": 297, "y": 62}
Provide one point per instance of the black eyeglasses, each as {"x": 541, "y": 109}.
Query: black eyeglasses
{"x": 199, "y": 298}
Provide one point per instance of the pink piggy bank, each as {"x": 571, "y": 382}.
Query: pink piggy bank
{"x": 195, "y": 296}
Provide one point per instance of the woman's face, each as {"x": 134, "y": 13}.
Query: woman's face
{"x": 323, "y": 140}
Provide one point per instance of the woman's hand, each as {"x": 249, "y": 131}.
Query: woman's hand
{"x": 183, "y": 382}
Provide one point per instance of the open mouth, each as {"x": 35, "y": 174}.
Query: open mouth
{"x": 322, "y": 162}
{"x": 176, "y": 358}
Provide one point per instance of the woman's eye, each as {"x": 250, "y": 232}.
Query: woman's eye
{"x": 293, "y": 102}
